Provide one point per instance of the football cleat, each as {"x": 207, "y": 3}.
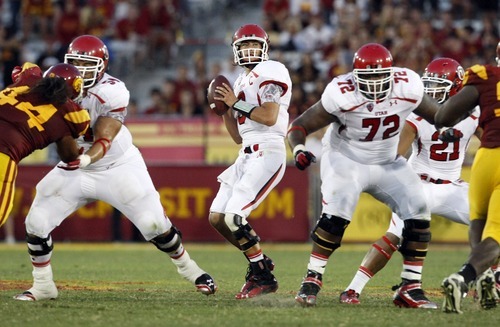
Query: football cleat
{"x": 45, "y": 290}
{"x": 349, "y": 297}
{"x": 258, "y": 285}
{"x": 486, "y": 290}
{"x": 259, "y": 280}
{"x": 269, "y": 263}
{"x": 309, "y": 289}
{"x": 411, "y": 295}
{"x": 205, "y": 284}
{"x": 454, "y": 289}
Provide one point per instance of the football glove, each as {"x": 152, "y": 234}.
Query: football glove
{"x": 450, "y": 135}
{"x": 303, "y": 158}
{"x": 82, "y": 161}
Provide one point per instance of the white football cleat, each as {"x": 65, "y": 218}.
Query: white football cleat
{"x": 45, "y": 290}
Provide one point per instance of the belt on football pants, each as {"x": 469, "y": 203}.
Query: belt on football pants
{"x": 251, "y": 148}
{"x": 429, "y": 179}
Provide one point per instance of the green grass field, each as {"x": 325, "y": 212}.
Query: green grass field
{"x": 136, "y": 285}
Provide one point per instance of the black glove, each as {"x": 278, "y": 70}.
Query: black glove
{"x": 303, "y": 159}
{"x": 450, "y": 135}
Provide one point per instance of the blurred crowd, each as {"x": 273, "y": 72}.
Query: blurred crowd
{"x": 316, "y": 39}
{"x": 137, "y": 33}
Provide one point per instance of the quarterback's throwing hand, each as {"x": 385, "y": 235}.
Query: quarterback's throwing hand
{"x": 450, "y": 135}
{"x": 303, "y": 158}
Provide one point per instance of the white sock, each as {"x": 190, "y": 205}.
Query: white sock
{"x": 362, "y": 277}
{"x": 317, "y": 263}
{"x": 187, "y": 268}
{"x": 412, "y": 270}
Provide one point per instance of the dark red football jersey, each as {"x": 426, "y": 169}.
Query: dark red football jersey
{"x": 28, "y": 124}
{"x": 486, "y": 78}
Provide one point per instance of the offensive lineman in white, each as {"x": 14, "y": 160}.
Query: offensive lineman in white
{"x": 258, "y": 120}
{"x": 110, "y": 169}
{"x": 438, "y": 163}
{"x": 367, "y": 109}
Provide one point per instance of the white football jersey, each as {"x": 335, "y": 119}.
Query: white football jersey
{"x": 437, "y": 159}
{"x": 368, "y": 131}
{"x": 108, "y": 97}
{"x": 248, "y": 87}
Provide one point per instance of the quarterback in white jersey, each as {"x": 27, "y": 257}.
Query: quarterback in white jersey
{"x": 366, "y": 110}
{"x": 110, "y": 169}
{"x": 258, "y": 119}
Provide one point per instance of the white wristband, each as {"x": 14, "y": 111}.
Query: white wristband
{"x": 84, "y": 160}
{"x": 299, "y": 147}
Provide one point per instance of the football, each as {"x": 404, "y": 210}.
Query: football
{"x": 219, "y": 107}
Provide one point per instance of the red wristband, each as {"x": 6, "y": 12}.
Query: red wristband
{"x": 105, "y": 143}
{"x": 298, "y": 128}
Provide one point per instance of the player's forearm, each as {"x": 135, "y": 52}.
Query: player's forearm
{"x": 98, "y": 149}
{"x": 232, "y": 127}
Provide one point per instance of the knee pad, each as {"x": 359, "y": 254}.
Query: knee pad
{"x": 412, "y": 236}
{"x": 168, "y": 242}
{"x": 38, "y": 246}
{"x": 333, "y": 225}
{"x": 241, "y": 229}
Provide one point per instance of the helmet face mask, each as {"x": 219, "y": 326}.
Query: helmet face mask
{"x": 90, "y": 55}
{"x": 250, "y": 55}
{"x": 72, "y": 77}
{"x": 373, "y": 72}
{"x": 443, "y": 78}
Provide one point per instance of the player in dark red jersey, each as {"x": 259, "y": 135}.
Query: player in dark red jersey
{"x": 36, "y": 111}
{"x": 480, "y": 88}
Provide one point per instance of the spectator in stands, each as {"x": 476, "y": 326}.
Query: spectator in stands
{"x": 184, "y": 82}
{"x": 158, "y": 25}
{"x": 157, "y": 104}
{"x": 126, "y": 43}
{"x": 290, "y": 37}
{"x": 67, "y": 26}
{"x": 276, "y": 11}
{"x": 304, "y": 10}
{"x": 188, "y": 105}
{"x": 316, "y": 35}
{"x": 308, "y": 72}
{"x": 36, "y": 17}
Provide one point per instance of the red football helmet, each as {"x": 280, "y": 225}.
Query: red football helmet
{"x": 372, "y": 71}
{"x": 90, "y": 55}
{"x": 250, "y": 56}
{"x": 71, "y": 75}
{"x": 443, "y": 78}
